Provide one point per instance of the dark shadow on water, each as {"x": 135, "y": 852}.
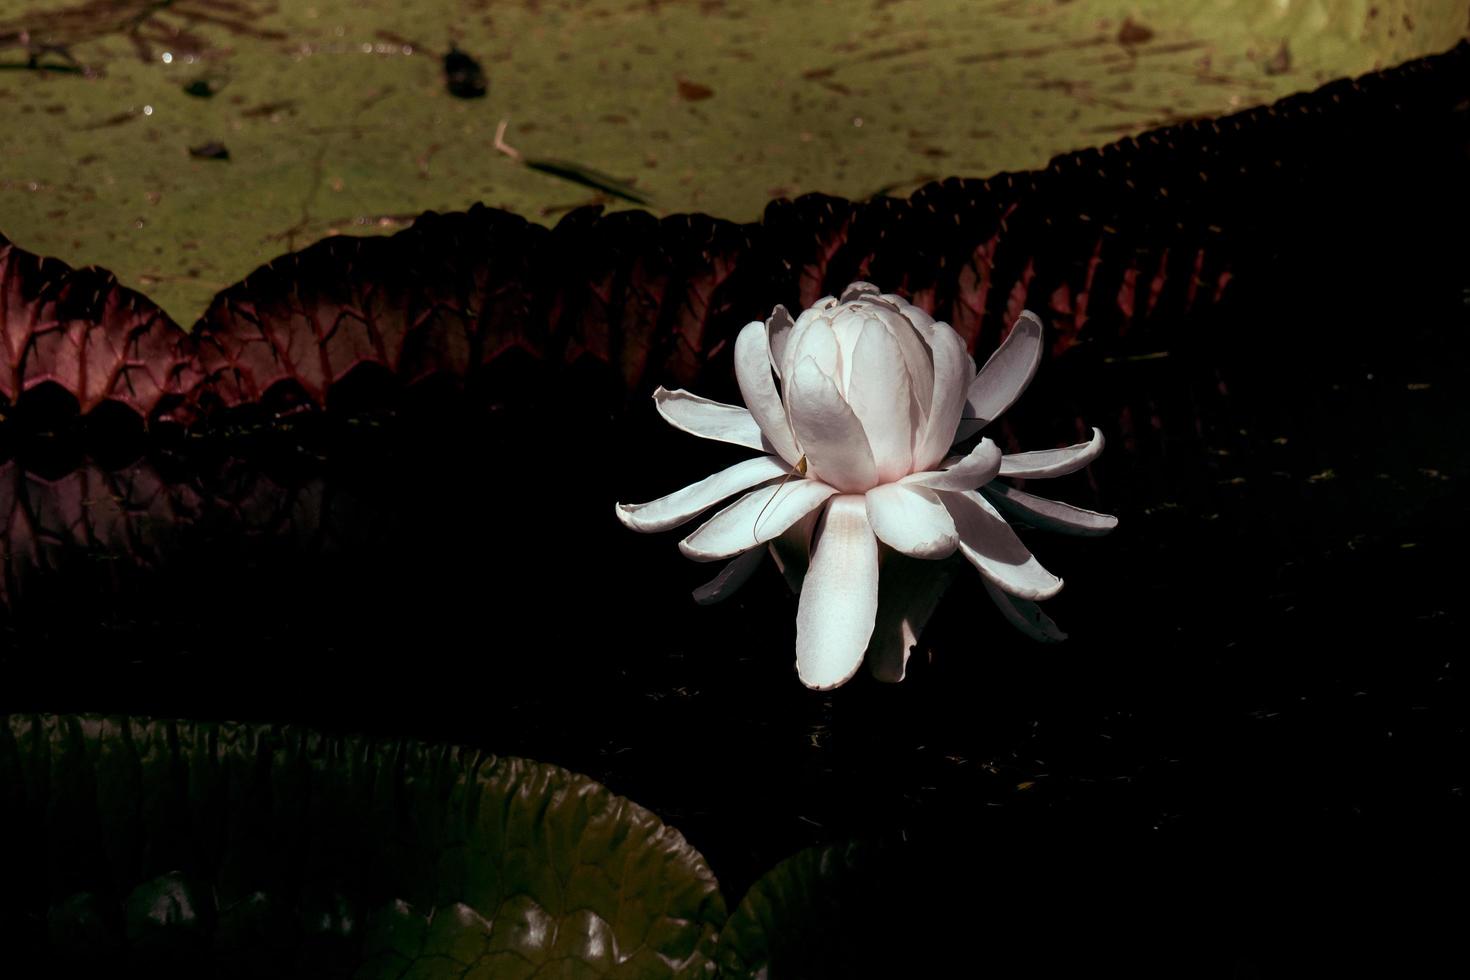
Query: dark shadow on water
{"x": 1261, "y": 655}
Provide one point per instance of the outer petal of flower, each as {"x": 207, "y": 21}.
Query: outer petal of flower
{"x": 1049, "y": 515}
{"x": 683, "y": 505}
{"x": 758, "y": 389}
{"x": 966, "y": 473}
{"x": 953, "y": 371}
{"x": 731, "y": 578}
{"x": 1003, "y": 378}
{"x": 755, "y": 518}
{"x": 882, "y": 399}
{"x": 911, "y": 520}
{"x": 994, "y": 549}
{"x": 710, "y": 419}
{"x": 839, "y": 599}
{"x": 792, "y": 549}
{"x": 909, "y": 590}
{"x": 1025, "y": 616}
{"x": 1052, "y": 462}
{"x": 778, "y": 331}
{"x": 828, "y": 432}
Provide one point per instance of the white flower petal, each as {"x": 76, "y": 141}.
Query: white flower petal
{"x": 1025, "y": 616}
{"x": 828, "y": 432}
{"x": 953, "y": 370}
{"x": 911, "y": 520}
{"x": 787, "y": 364}
{"x": 847, "y": 326}
{"x": 710, "y": 419}
{"x": 839, "y": 599}
{"x": 1049, "y": 515}
{"x": 994, "y": 549}
{"x": 683, "y": 505}
{"x": 1052, "y": 462}
{"x": 758, "y": 389}
{"x": 1003, "y": 378}
{"x": 731, "y": 578}
{"x": 909, "y": 590}
{"x": 778, "y": 331}
{"x": 882, "y": 400}
{"x": 917, "y": 356}
{"x": 962, "y": 473}
{"x": 915, "y": 315}
{"x": 804, "y": 321}
{"x": 755, "y": 518}
{"x": 792, "y": 550}
{"x": 819, "y": 343}
{"x": 858, "y": 291}
{"x": 817, "y": 309}
{"x": 918, "y": 360}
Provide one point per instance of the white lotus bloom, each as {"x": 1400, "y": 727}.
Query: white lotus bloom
{"x": 855, "y": 406}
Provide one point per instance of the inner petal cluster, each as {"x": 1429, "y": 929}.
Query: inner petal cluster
{"x": 858, "y": 377}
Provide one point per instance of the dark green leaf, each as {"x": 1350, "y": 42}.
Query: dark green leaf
{"x": 258, "y": 850}
{"x": 832, "y": 911}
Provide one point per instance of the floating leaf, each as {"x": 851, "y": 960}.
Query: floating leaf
{"x": 80, "y": 330}
{"x": 1110, "y": 246}
{"x": 844, "y": 910}
{"x": 798, "y": 107}
{"x": 260, "y": 850}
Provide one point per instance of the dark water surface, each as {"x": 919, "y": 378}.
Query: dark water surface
{"x": 1262, "y": 680}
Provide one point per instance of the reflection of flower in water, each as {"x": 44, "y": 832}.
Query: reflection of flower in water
{"x": 872, "y": 394}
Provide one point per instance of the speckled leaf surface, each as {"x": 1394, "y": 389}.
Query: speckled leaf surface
{"x": 181, "y": 144}
{"x": 256, "y": 850}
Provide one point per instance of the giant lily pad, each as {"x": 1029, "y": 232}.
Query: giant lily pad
{"x": 1110, "y": 245}
{"x": 825, "y": 912}
{"x": 973, "y": 903}
{"x": 257, "y": 850}
{"x": 182, "y": 144}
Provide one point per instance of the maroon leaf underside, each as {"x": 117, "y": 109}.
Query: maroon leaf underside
{"x": 79, "y": 329}
{"x": 1108, "y": 244}
{"x": 132, "y": 517}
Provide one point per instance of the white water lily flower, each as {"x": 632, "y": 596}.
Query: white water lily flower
{"x": 855, "y": 405}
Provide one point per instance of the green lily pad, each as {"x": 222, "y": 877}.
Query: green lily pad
{"x": 974, "y": 899}
{"x": 837, "y": 910}
{"x": 183, "y": 144}
{"x": 257, "y": 850}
